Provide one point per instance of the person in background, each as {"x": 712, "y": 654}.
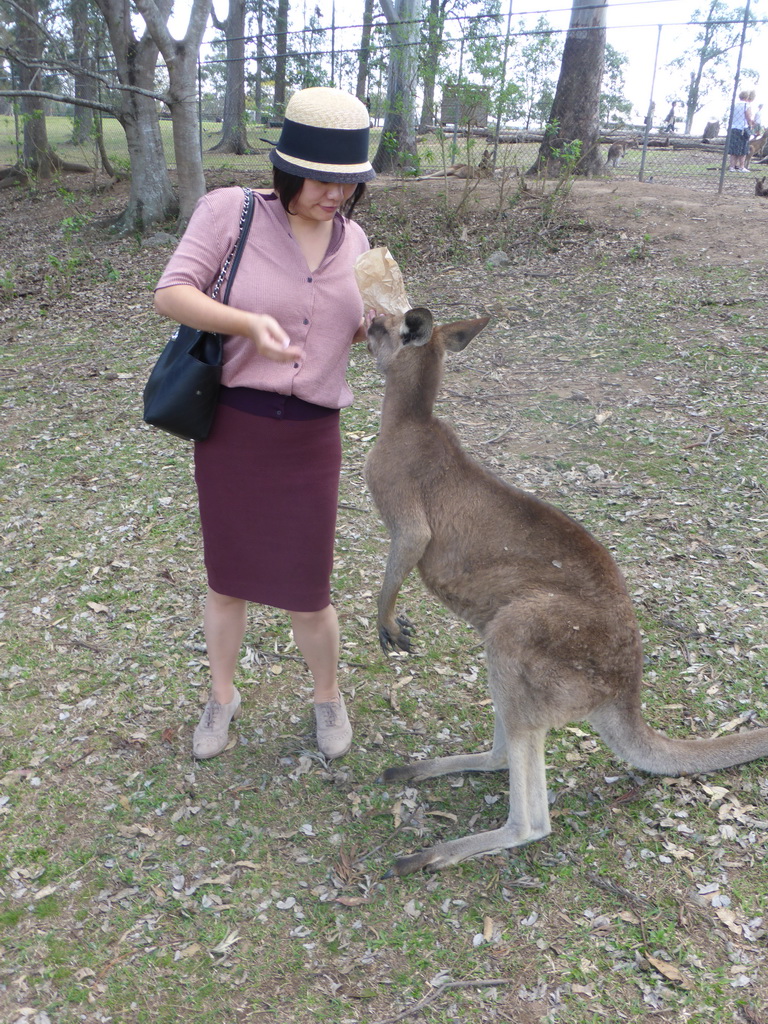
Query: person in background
{"x": 268, "y": 474}
{"x": 669, "y": 120}
{"x": 740, "y": 133}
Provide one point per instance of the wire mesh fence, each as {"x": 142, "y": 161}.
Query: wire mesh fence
{"x": 492, "y": 113}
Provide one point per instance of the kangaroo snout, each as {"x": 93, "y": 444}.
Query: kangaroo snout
{"x": 389, "y": 333}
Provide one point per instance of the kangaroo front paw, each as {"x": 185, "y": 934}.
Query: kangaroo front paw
{"x": 398, "y": 639}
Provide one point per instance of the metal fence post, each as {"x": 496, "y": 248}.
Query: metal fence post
{"x": 200, "y": 103}
{"x": 502, "y": 84}
{"x": 651, "y": 108}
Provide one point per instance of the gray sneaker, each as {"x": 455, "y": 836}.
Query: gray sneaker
{"x": 212, "y": 733}
{"x": 334, "y": 733}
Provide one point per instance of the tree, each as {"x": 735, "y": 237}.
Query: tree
{"x": 27, "y": 56}
{"x": 181, "y": 62}
{"x": 432, "y": 49}
{"x": 152, "y": 198}
{"x": 36, "y": 153}
{"x": 234, "y": 138}
{"x": 133, "y": 102}
{"x": 84, "y": 80}
{"x": 719, "y": 34}
{"x": 488, "y": 56}
{"x": 261, "y": 59}
{"x": 571, "y": 138}
{"x": 613, "y": 106}
{"x": 281, "y": 56}
{"x": 536, "y": 68}
{"x": 364, "y": 53}
{"x": 397, "y": 146}
{"x": 306, "y": 69}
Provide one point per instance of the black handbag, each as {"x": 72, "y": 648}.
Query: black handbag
{"x": 181, "y": 394}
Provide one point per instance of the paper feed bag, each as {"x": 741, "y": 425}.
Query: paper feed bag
{"x": 381, "y": 282}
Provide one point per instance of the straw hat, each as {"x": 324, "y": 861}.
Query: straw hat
{"x": 324, "y": 137}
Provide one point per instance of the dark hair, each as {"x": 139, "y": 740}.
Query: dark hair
{"x": 288, "y": 187}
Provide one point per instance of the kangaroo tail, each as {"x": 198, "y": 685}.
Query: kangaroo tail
{"x": 622, "y": 728}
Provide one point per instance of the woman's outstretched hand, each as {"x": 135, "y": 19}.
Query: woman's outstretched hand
{"x": 271, "y": 341}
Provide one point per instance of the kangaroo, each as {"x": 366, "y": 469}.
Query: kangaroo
{"x": 615, "y": 153}
{"x": 761, "y": 189}
{"x": 756, "y": 147}
{"x": 483, "y": 170}
{"x": 561, "y": 639}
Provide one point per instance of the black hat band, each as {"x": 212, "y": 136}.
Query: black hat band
{"x": 323, "y": 145}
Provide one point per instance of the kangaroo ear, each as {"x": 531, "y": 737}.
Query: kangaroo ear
{"x": 458, "y": 335}
{"x": 416, "y": 328}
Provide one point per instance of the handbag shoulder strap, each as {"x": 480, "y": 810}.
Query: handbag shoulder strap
{"x": 246, "y": 216}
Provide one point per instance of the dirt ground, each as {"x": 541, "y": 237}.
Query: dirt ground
{"x": 693, "y": 223}
{"x": 635, "y": 239}
{"x": 623, "y": 377}
{"x": 729, "y": 227}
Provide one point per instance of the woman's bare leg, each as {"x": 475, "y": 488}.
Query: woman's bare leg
{"x": 224, "y": 632}
{"x": 317, "y": 637}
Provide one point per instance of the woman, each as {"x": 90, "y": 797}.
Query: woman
{"x": 739, "y": 135}
{"x": 268, "y": 474}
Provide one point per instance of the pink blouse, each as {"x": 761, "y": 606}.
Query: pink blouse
{"x": 319, "y": 310}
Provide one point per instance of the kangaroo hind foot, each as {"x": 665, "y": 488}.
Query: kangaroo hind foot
{"x": 523, "y": 752}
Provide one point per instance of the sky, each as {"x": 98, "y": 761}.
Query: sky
{"x": 632, "y": 29}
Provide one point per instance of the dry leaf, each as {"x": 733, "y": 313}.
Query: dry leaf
{"x": 733, "y": 724}
{"x": 629, "y": 917}
{"x": 411, "y": 910}
{"x": 191, "y": 950}
{"x": 47, "y": 890}
{"x": 669, "y": 971}
{"x": 443, "y": 814}
{"x": 729, "y": 920}
{"x": 396, "y": 808}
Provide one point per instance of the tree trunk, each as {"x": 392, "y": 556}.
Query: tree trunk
{"x": 397, "y": 147}
{"x": 85, "y": 85}
{"x": 281, "y": 56}
{"x": 435, "y": 23}
{"x": 152, "y": 199}
{"x": 181, "y": 60}
{"x": 571, "y": 139}
{"x": 258, "y": 92}
{"x": 692, "y": 101}
{"x": 36, "y": 154}
{"x": 234, "y": 138}
{"x": 364, "y": 53}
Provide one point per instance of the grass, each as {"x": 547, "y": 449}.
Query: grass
{"x": 696, "y": 169}
{"x": 139, "y": 885}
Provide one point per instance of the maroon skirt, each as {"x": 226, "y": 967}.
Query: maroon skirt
{"x": 268, "y": 484}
